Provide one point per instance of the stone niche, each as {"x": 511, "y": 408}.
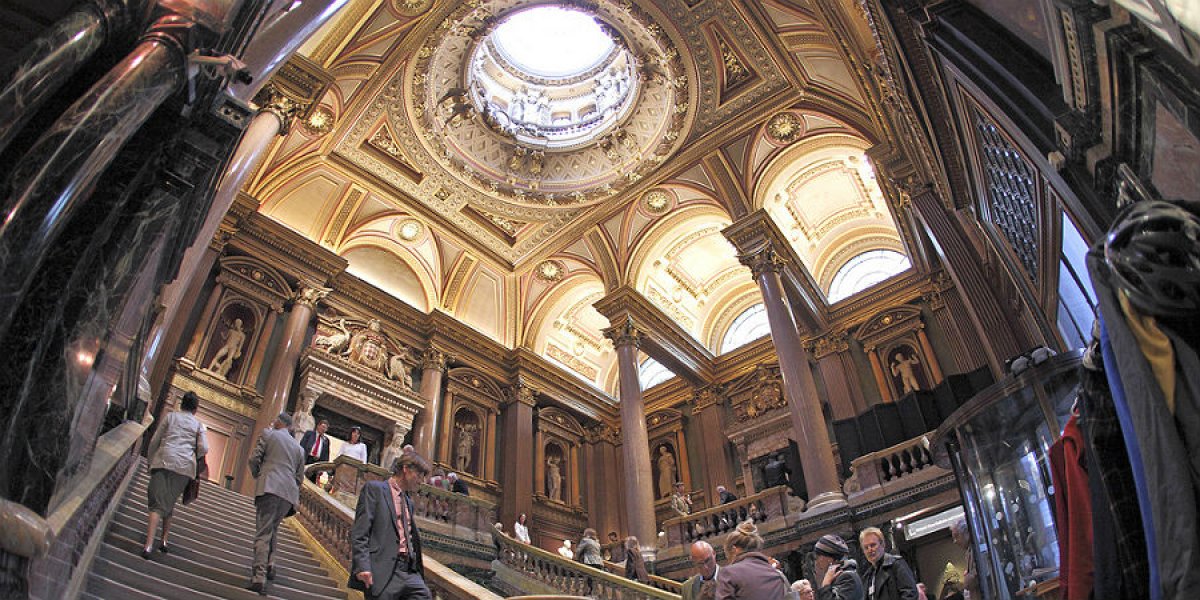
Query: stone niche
{"x": 467, "y": 440}
{"x": 558, "y": 511}
{"x": 902, "y": 359}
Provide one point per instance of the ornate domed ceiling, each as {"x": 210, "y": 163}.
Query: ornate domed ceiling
{"x": 512, "y": 185}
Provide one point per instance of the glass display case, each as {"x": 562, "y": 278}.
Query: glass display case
{"x": 998, "y": 445}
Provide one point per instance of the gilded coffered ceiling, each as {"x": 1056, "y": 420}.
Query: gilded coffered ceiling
{"x": 487, "y": 199}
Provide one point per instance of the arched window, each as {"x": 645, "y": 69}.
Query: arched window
{"x": 747, "y": 327}
{"x": 651, "y": 373}
{"x": 864, "y": 271}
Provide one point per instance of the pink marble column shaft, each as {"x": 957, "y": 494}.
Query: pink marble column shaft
{"x": 808, "y": 422}
{"x": 426, "y": 431}
{"x": 635, "y": 444}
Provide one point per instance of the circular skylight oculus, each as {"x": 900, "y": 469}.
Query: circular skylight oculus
{"x": 552, "y": 78}
{"x": 552, "y": 42}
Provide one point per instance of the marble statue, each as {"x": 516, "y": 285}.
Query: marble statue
{"x": 666, "y": 471}
{"x": 903, "y": 366}
{"x": 367, "y": 346}
{"x": 553, "y": 479}
{"x": 466, "y": 441}
{"x": 231, "y": 351}
{"x": 395, "y": 449}
{"x": 334, "y": 343}
{"x": 303, "y": 421}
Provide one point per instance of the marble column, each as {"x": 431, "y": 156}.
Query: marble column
{"x": 635, "y": 444}
{"x": 287, "y": 358}
{"x": 516, "y": 466}
{"x": 839, "y": 375}
{"x": 992, "y": 329}
{"x": 54, "y": 180}
{"x": 57, "y": 55}
{"x": 279, "y": 39}
{"x": 808, "y": 421}
{"x": 706, "y": 410}
{"x": 426, "y": 431}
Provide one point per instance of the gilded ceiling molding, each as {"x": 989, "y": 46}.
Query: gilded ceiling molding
{"x": 657, "y": 334}
{"x": 291, "y": 251}
{"x": 624, "y": 334}
{"x": 732, "y": 306}
{"x": 707, "y": 396}
{"x": 294, "y": 90}
{"x": 828, "y": 263}
{"x": 692, "y": 219}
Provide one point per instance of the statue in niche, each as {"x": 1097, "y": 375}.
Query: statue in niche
{"x": 222, "y": 361}
{"x": 553, "y": 478}
{"x": 303, "y": 420}
{"x": 395, "y": 448}
{"x": 397, "y": 369}
{"x": 466, "y": 441}
{"x": 904, "y": 367}
{"x": 367, "y": 346}
{"x": 667, "y": 471}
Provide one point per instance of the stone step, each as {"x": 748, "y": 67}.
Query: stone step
{"x": 214, "y": 526}
{"x": 200, "y": 578}
{"x": 207, "y": 488}
{"x": 238, "y": 551}
{"x": 143, "y": 582}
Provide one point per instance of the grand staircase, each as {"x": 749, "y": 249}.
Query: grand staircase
{"x": 211, "y": 551}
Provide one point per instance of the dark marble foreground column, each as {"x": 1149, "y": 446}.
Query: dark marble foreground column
{"x": 59, "y": 172}
{"x": 53, "y": 58}
{"x": 279, "y": 38}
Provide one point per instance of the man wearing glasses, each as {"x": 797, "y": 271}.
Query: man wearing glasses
{"x": 702, "y": 585}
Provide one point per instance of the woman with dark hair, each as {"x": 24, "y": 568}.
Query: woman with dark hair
{"x": 749, "y": 574}
{"x": 176, "y": 448}
{"x": 635, "y": 566}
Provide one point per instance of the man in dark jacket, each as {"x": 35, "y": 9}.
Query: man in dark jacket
{"x": 725, "y": 495}
{"x": 316, "y": 444}
{"x": 457, "y": 485}
{"x": 385, "y": 544}
{"x": 838, "y": 575}
{"x": 887, "y": 576}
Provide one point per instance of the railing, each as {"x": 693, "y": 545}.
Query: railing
{"x": 718, "y": 520}
{"x": 349, "y": 476}
{"x": 571, "y": 577}
{"x": 329, "y": 521}
{"x": 662, "y": 583}
{"x": 889, "y": 465}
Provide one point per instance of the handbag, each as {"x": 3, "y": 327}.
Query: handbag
{"x": 192, "y": 491}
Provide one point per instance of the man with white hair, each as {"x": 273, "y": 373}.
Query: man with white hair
{"x": 457, "y": 485}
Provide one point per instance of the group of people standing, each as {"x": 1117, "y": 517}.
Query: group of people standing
{"x": 385, "y": 542}
{"x": 750, "y": 574}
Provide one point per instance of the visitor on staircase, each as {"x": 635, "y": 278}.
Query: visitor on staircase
{"x": 178, "y": 444}
{"x": 278, "y": 469}
{"x": 385, "y": 544}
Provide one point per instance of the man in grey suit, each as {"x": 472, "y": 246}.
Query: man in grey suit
{"x": 385, "y": 545}
{"x": 278, "y": 468}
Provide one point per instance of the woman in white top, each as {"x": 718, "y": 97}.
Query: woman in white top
{"x": 521, "y": 529}
{"x": 355, "y": 448}
{"x": 177, "y": 445}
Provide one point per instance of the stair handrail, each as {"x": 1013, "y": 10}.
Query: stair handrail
{"x": 569, "y": 576}
{"x": 889, "y": 464}
{"x": 658, "y": 581}
{"x": 330, "y": 521}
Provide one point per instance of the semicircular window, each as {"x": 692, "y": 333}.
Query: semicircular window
{"x": 747, "y": 327}
{"x": 651, "y": 373}
{"x": 864, "y": 271}
{"x": 552, "y": 77}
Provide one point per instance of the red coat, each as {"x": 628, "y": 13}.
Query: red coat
{"x": 1072, "y": 513}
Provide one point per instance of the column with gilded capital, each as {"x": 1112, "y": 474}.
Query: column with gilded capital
{"x": 635, "y": 444}
{"x": 516, "y": 459}
{"x": 808, "y": 422}
{"x": 287, "y": 356}
{"x": 428, "y": 427}
{"x": 839, "y": 374}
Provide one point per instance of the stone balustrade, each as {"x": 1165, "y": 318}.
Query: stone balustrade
{"x": 889, "y": 465}
{"x": 330, "y": 521}
{"x": 571, "y": 577}
{"x": 767, "y": 505}
{"x": 662, "y": 583}
{"x": 348, "y": 476}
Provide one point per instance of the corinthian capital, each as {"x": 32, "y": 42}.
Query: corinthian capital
{"x": 624, "y": 334}
{"x": 310, "y": 296}
{"x": 433, "y": 359}
{"x": 766, "y": 260}
{"x": 522, "y": 393}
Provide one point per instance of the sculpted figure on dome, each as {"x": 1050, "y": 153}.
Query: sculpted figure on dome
{"x": 367, "y": 347}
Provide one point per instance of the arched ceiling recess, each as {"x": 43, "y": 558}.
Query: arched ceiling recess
{"x": 734, "y": 303}
{"x": 566, "y": 329}
{"x": 821, "y": 192}
{"x": 397, "y": 254}
{"x": 686, "y": 267}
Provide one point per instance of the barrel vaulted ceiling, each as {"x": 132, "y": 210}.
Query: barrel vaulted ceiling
{"x": 738, "y": 106}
